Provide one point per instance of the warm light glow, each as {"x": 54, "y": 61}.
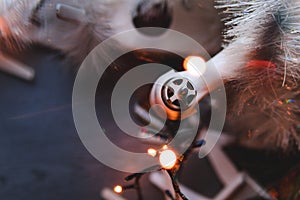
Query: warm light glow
{"x": 167, "y": 159}
{"x": 4, "y": 27}
{"x": 152, "y": 152}
{"x": 195, "y": 65}
{"x": 118, "y": 189}
{"x": 165, "y": 147}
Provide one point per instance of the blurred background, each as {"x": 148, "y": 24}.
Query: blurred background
{"x": 41, "y": 155}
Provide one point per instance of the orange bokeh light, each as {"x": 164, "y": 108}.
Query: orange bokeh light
{"x": 152, "y": 152}
{"x": 167, "y": 159}
{"x": 118, "y": 189}
{"x": 195, "y": 65}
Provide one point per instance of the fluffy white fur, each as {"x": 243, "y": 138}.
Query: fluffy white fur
{"x": 264, "y": 102}
{"x": 74, "y": 39}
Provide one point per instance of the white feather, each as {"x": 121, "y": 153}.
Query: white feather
{"x": 264, "y": 102}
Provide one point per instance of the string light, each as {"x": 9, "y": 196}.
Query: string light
{"x": 195, "y": 65}
{"x": 118, "y": 189}
{"x": 167, "y": 159}
{"x": 169, "y": 194}
{"x": 152, "y": 152}
{"x": 199, "y": 144}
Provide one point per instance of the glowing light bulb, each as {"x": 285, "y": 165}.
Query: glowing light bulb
{"x": 152, "y": 152}
{"x": 118, "y": 189}
{"x": 195, "y": 65}
{"x": 167, "y": 159}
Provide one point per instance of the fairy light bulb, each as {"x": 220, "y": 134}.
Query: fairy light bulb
{"x": 165, "y": 147}
{"x": 195, "y": 65}
{"x": 118, "y": 189}
{"x": 167, "y": 159}
{"x": 152, "y": 152}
